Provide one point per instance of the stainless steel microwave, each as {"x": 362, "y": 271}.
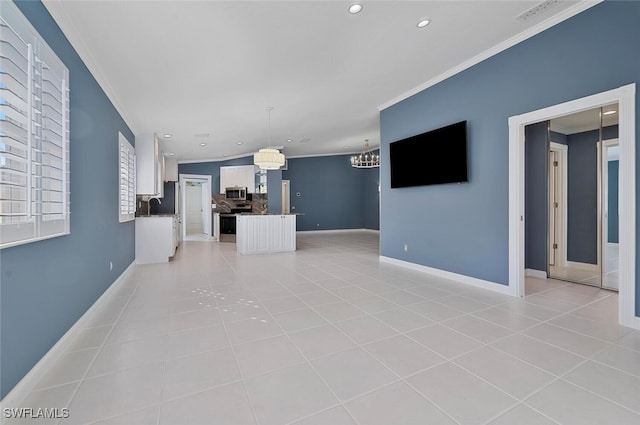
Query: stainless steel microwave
{"x": 237, "y": 193}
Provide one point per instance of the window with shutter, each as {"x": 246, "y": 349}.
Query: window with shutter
{"x": 127, "y": 179}
{"x": 34, "y": 134}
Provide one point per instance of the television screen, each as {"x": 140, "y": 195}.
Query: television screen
{"x": 435, "y": 157}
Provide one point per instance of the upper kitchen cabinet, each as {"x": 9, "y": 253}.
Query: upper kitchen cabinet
{"x": 170, "y": 169}
{"x": 148, "y": 165}
{"x": 238, "y": 175}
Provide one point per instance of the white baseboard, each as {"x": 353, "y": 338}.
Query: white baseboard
{"x": 472, "y": 281}
{"x": 539, "y": 274}
{"x": 584, "y": 266}
{"x": 29, "y": 381}
{"x": 311, "y": 232}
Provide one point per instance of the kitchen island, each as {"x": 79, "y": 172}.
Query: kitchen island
{"x": 265, "y": 233}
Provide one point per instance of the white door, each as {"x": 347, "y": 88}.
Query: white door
{"x": 194, "y": 208}
{"x": 206, "y": 208}
{"x": 286, "y": 197}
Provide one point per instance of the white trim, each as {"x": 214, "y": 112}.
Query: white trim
{"x": 468, "y": 280}
{"x": 581, "y": 6}
{"x": 538, "y": 274}
{"x": 625, "y": 96}
{"x": 182, "y": 179}
{"x": 22, "y": 389}
{"x": 594, "y": 268}
{"x": 613, "y": 244}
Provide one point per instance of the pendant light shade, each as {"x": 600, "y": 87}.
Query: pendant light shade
{"x": 268, "y": 159}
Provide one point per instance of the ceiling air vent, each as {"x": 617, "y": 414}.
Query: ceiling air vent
{"x": 535, "y": 10}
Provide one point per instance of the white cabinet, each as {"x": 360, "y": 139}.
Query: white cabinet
{"x": 238, "y": 175}
{"x": 156, "y": 238}
{"x": 170, "y": 170}
{"x": 260, "y": 234}
{"x": 160, "y": 193}
{"x": 147, "y": 160}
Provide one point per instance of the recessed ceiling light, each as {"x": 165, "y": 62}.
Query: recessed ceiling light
{"x": 225, "y": 154}
{"x": 609, "y": 112}
{"x": 239, "y": 142}
{"x": 203, "y": 144}
{"x": 169, "y": 154}
{"x": 355, "y": 8}
{"x": 423, "y": 23}
{"x": 167, "y": 136}
{"x": 346, "y": 147}
{"x": 289, "y": 140}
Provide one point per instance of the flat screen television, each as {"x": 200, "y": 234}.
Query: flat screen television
{"x": 435, "y": 157}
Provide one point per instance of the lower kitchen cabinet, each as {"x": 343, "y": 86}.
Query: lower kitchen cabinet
{"x": 156, "y": 238}
{"x": 260, "y": 234}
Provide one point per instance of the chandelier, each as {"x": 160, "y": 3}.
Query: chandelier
{"x": 367, "y": 159}
{"x": 268, "y": 158}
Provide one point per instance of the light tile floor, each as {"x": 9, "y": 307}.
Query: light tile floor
{"x": 329, "y": 336}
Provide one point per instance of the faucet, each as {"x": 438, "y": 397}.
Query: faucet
{"x": 149, "y": 204}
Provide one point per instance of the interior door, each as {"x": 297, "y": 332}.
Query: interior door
{"x": 553, "y": 208}
{"x": 286, "y": 197}
{"x": 206, "y": 208}
{"x": 575, "y": 210}
{"x": 194, "y": 208}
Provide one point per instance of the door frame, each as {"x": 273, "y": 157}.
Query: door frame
{"x": 625, "y": 97}
{"x": 561, "y": 258}
{"x": 183, "y": 179}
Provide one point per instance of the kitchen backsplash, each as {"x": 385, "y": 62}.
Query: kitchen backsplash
{"x": 258, "y": 203}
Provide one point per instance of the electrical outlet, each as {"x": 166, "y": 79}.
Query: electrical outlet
{"x": 406, "y": 247}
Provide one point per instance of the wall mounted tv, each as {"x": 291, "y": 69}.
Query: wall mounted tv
{"x": 435, "y": 157}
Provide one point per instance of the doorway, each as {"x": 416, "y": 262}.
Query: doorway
{"x": 625, "y": 96}
{"x": 286, "y": 197}
{"x": 194, "y": 201}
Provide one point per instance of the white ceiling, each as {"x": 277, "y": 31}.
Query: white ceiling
{"x": 585, "y": 120}
{"x": 209, "y": 68}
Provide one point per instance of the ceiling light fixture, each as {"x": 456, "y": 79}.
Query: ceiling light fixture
{"x": 423, "y": 23}
{"x": 609, "y": 112}
{"x": 268, "y": 158}
{"x": 203, "y": 144}
{"x": 167, "y": 136}
{"x": 355, "y": 8}
{"x": 239, "y": 142}
{"x": 289, "y": 140}
{"x": 367, "y": 159}
{"x": 169, "y": 154}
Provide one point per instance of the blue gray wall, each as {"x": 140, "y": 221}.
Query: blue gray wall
{"x": 46, "y": 286}
{"x": 371, "y": 198}
{"x": 213, "y": 169}
{"x": 612, "y": 201}
{"x": 464, "y": 228}
{"x": 536, "y": 200}
{"x": 582, "y": 197}
{"x": 333, "y": 194}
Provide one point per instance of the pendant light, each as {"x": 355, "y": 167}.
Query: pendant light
{"x": 367, "y": 159}
{"x": 268, "y": 158}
